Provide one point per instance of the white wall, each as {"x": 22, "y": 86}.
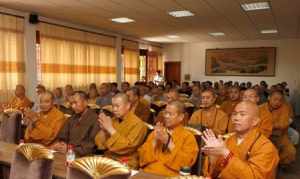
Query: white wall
{"x": 192, "y": 56}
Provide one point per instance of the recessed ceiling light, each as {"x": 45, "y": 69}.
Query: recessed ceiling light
{"x": 255, "y": 6}
{"x": 122, "y": 20}
{"x": 173, "y": 36}
{"x": 217, "y": 34}
{"x": 183, "y": 13}
{"x": 269, "y": 31}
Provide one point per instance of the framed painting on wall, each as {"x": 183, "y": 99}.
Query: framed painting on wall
{"x": 258, "y": 61}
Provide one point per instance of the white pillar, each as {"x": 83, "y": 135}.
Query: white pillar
{"x": 30, "y": 58}
{"x": 119, "y": 59}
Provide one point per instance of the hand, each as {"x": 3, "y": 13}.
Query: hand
{"x": 160, "y": 133}
{"x": 213, "y": 146}
{"x": 30, "y": 116}
{"x": 105, "y": 122}
{"x": 59, "y": 146}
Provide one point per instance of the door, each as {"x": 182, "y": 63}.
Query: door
{"x": 173, "y": 72}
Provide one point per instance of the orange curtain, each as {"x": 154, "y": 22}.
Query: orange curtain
{"x": 12, "y": 66}
{"x": 130, "y": 61}
{"x": 75, "y": 57}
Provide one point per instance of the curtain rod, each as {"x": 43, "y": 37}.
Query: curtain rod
{"x": 79, "y": 29}
{"x": 5, "y": 13}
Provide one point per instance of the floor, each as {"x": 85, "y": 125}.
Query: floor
{"x": 293, "y": 172}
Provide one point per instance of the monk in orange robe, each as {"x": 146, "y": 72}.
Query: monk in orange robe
{"x": 229, "y": 105}
{"x": 265, "y": 124}
{"x": 139, "y": 106}
{"x": 248, "y": 154}
{"x": 120, "y": 136}
{"x": 209, "y": 115}
{"x": 19, "y": 102}
{"x": 281, "y": 114}
{"x": 44, "y": 126}
{"x": 170, "y": 146}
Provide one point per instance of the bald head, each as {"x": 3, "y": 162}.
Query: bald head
{"x": 174, "y": 114}
{"x": 121, "y": 105}
{"x": 245, "y": 117}
{"x": 20, "y": 91}
{"x": 276, "y": 99}
{"x": 46, "y": 101}
{"x": 172, "y": 95}
{"x": 250, "y": 95}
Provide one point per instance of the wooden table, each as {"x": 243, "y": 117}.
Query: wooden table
{"x": 6, "y": 155}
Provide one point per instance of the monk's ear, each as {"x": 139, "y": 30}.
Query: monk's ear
{"x": 181, "y": 116}
{"x": 256, "y": 121}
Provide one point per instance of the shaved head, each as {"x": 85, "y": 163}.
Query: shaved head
{"x": 121, "y": 105}
{"x": 245, "y": 117}
{"x": 250, "y": 95}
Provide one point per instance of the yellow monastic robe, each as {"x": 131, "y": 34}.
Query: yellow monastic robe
{"x": 20, "y": 104}
{"x": 142, "y": 109}
{"x": 130, "y": 134}
{"x": 217, "y": 121}
{"x": 228, "y": 107}
{"x": 46, "y": 127}
{"x": 168, "y": 163}
{"x": 266, "y": 123}
{"x": 287, "y": 151}
{"x": 254, "y": 158}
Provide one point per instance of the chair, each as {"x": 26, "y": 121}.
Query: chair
{"x": 97, "y": 167}
{"x": 196, "y": 169}
{"x": 32, "y": 161}
{"x": 11, "y": 128}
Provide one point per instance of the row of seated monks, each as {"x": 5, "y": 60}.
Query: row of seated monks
{"x": 124, "y": 129}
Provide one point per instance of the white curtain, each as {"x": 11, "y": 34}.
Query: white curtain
{"x": 12, "y": 67}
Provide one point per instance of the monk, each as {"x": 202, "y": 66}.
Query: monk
{"x": 170, "y": 146}
{"x": 121, "y": 135}
{"x": 248, "y": 154}
{"x": 139, "y": 106}
{"x": 44, "y": 126}
{"x": 19, "y": 102}
{"x": 210, "y": 116}
{"x": 280, "y": 115}
{"x": 80, "y": 130}
{"x": 229, "y": 105}
{"x": 265, "y": 124}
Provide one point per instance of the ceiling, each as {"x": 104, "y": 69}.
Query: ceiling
{"x": 153, "y": 23}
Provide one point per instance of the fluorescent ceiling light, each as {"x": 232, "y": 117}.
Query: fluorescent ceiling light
{"x": 183, "y": 13}
{"x": 217, "y": 34}
{"x": 122, "y": 20}
{"x": 173, "y": 36}
{"x": 255, "y": 6}
{"x": 269, "y": 31}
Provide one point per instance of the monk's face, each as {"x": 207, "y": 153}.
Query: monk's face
{"x": 19, "y": 91}
{"x": 69, "y": 90}
{"x": 243, "y": 118}
{"x": 120, "y": 107}
{"x": 78, "y": 104}
{"x": 132, "y": 97}
{"x": 171, "y": 116}
{"x": 46, "y": 102}
{"x": 207, "y": 99}
{"x": 276, "y": 100}
{"x": 234, "y": 94}
{"x": 250, "y": 95}
{"x": 196, "y": 91}
{"x": 172, "y": 96}
{"x": 124, "y": 87}
{"x": 103, "y": 90}
{"x": 93, "y": 93}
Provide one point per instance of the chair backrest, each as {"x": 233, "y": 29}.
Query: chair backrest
{"x": 32, "y": 161}
{"x": 11, "y": 128}
{"x": 97, "y": 167}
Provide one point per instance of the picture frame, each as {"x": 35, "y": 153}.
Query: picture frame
{"x": 256, "y": 61}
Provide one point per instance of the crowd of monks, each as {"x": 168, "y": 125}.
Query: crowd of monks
{"x": 244, "y": 128}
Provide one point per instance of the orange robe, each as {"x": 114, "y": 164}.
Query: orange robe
{"x": 20, "y": 104}
{"x": 142, "y": 109}
{"x": 168, "y": 163}
{"x": 266, "y": 122}
{"x": 228, "y": 107}
{"x": 287, "y": 151}
{"x": 218, "y": 121}
{"x": 254, "y": 158}
{"x": 130, "y": 134}
{"x": 46, "y": 127}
